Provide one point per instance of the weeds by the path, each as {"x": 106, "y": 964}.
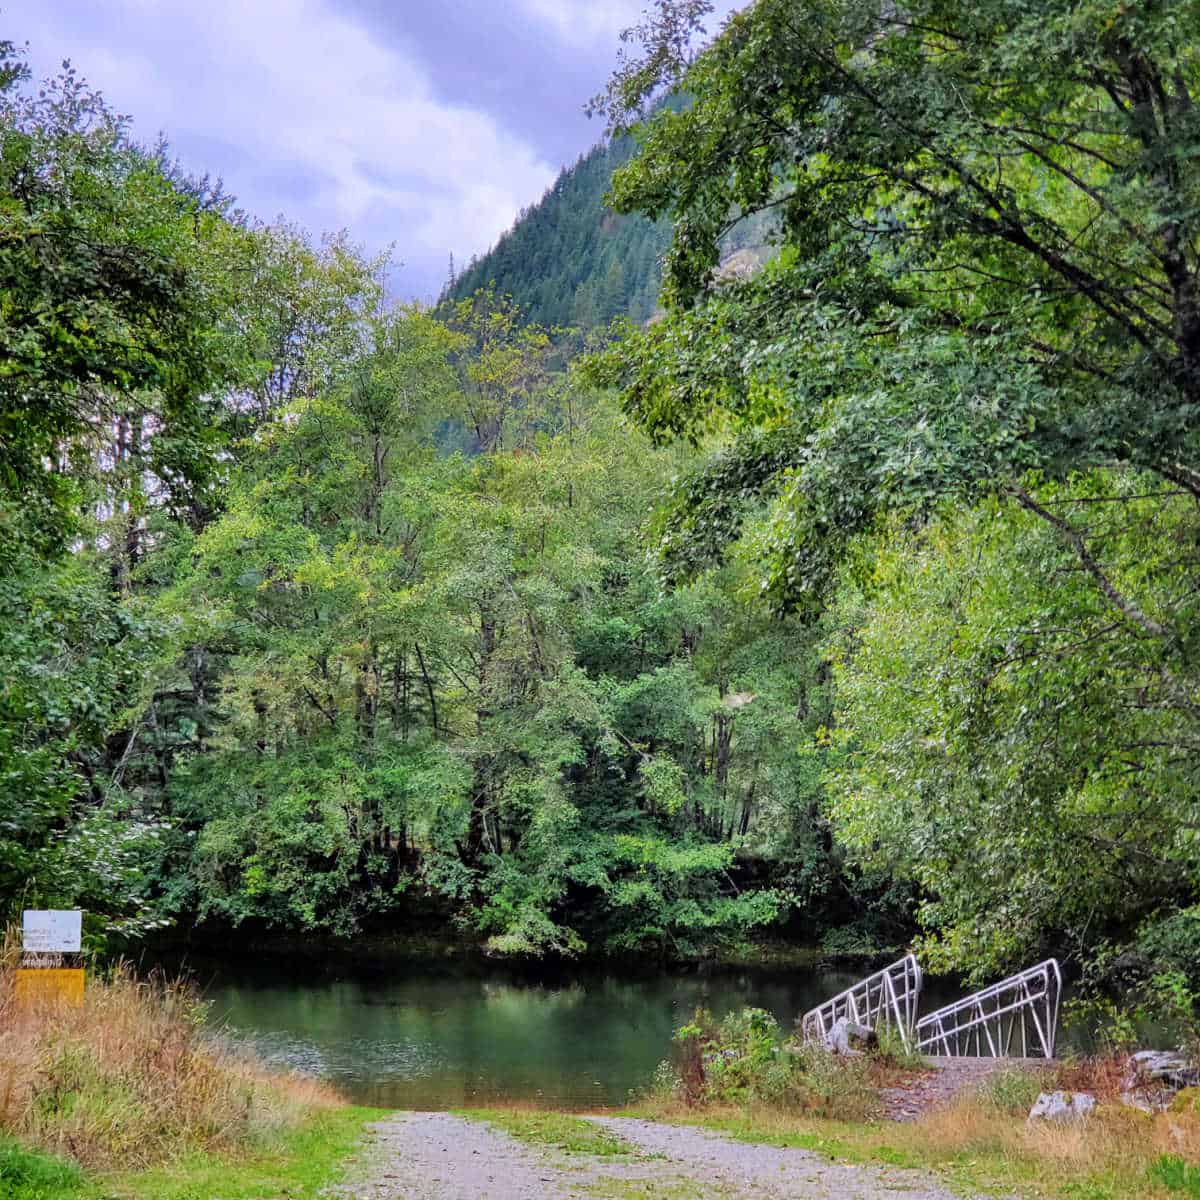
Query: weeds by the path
{"x": 125, "y": 1096}
{"x": 558, "y": 1131}
{"x": 299, "y": 1164}
{"x": 978, "y": 1145}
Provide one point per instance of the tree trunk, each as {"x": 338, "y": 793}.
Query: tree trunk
{"x": 433, "y": 713}
{"x": 481, "y": 783}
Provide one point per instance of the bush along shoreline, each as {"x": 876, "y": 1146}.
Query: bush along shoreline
{"x": 127, "y": 1095}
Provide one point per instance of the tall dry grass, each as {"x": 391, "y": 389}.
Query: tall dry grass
{"x": 128, "y": 1079}
{"x": 984, "y": 1136}
{"x": 1119, "y": 1142}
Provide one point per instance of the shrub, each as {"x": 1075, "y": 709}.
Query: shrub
{"x": 1176, "y": 1175}
{"x": 666, "y": 1084}
{"x": 1120, "y": 994}
{"x": 27, "y": 1175}
{"x": 850, "y": 940}
{"x": 1172, "y": 943}
{"x": 840, "y": 1089}
{"x": 129, "y": 1078}
{"x": 895, "y": 1052}
{"x": 1100, "y": 1074}
{"x": 742, "y": 1058}
{"x": 1012, "y": 1090}
{"x": 747, "y": 1059}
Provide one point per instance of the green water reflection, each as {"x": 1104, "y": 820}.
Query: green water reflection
{"x": 446, "y": 1037}
{"x": 435, "y": 1039}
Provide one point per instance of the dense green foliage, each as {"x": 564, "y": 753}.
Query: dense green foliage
{"x": 959, "y": 414}
{"x": 112, "y": 309}
{"x": 402, "y": 657}
{"x": 357, "y": 625}
{"x": 749, "y": 1059}
{"x": 28, "y": 1175}
{"x": 569, "y": 259}
{"x": 442, "y": 672}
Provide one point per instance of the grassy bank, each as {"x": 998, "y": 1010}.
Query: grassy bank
{"x": 297, "y": 1164}
{"x": 125, "y": 1096}
{"x": 1119, "y": 1154}
{"x": 974, "y": 1146}
{"x": 747, "y": 1078}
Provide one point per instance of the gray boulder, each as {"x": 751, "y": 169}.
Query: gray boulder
{"x": 1063, "y": 1107}
{"x": 1167, "y": 1065}
{"x": 1153, "y": 1077}
{"x": 848, "y": 1037}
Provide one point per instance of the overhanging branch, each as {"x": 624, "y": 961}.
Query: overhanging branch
{"x": 1075, "y": 539}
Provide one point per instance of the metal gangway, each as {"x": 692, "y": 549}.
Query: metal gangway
{"x": 890, "y": 996}
{"x": 988, "y": 1023}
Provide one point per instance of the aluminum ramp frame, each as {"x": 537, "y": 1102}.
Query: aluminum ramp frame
{"x": 987, "y": 1024}
{"x": 890, "y": 997}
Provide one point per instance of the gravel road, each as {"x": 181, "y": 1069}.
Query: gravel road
{"x": 437, "y": 1156}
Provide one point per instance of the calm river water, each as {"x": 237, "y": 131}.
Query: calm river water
{"x": 425, "y": 1037}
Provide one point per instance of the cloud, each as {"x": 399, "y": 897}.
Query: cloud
{"x": 585, "y": 21}
{"x": 599, "y": 22}
{"x": 304, "y": 113}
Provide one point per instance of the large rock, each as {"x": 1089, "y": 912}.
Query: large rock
{"x": 1169, "y": 1066}
{"x": 848, "y": 1037}
{"x": 1154, "y": 1077}
{"x": 1063, "y": 1107}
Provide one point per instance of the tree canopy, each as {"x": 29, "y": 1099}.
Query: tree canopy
{"x": 983, "y": 301}
{"x": 114, "y": 305}
{"x": 852, "y": 597}
{"x": 987, "y": 263}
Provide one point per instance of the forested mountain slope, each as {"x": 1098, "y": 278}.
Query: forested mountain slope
{"x": 570, "y": 260}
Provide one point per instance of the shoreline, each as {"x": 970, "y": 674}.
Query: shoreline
{"x": 380, "y": 952}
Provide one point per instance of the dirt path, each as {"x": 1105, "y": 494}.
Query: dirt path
{"x": 946, "y": 1079}
{"x": 437, "y": 1156}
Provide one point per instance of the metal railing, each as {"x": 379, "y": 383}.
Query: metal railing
{"x": 988, "y": 1023}
{"x": 890, "y": 996}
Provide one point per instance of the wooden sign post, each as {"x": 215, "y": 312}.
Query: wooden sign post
{"x": 47, "y": 935}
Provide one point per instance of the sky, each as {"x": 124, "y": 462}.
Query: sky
{"x": 421, "y": 124}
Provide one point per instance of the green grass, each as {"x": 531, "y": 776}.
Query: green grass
{"x": 843, "y": 1148}
{"x": 559, "y": 1131}
{"x": 984, "y": 1163}
{"x": 304, "y": 1161}
{"x": 1176, "y": 1175}
{"x": 609, "y": 1188}
{"x": 978, "y": 1166}
{"x": 28, "y": 1175}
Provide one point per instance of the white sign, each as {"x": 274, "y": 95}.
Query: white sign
{"x": 51, "y": 932}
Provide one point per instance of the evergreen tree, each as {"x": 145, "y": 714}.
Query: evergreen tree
{"x": 570, "y": 260}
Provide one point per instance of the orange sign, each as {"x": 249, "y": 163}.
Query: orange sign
{"x": 40, "y": 985}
